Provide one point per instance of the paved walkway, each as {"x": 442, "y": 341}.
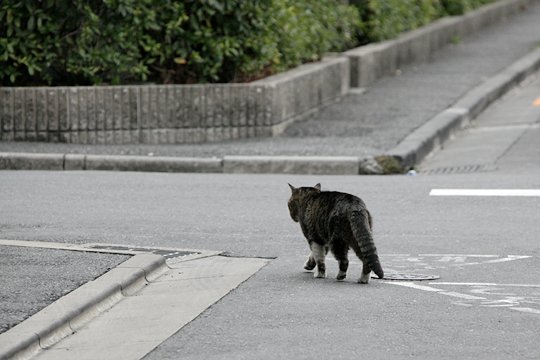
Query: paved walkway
{"x": 370, "y": 123}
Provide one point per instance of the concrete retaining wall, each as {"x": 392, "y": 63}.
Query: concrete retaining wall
{"x": 168, "y": 114}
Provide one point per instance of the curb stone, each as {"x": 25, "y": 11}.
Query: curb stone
{"x": 434, "y": 133}
{"x": 72, "y": 311}
{"x": 320, "y": 165}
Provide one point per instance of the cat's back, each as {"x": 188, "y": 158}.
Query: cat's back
{"x": 339, "y": 202}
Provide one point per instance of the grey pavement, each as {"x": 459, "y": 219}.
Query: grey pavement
{"x": 370, "y": 123}
{"x": 33, "y": 278}
{"x": 500, "y": 138}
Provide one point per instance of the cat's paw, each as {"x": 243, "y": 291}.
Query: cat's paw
{"x": 341, "y": 276}
{"x": 310, "y": 264}
{"x": 364, "y": 279}
{"x": 320, "y": 275}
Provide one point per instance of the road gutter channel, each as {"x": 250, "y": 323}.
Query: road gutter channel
{"x": 73, "y": 312}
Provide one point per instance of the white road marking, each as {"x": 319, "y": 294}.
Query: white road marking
{"x": 459, "y": 255}
{"x": 407, "y": 262}
{"x": 413, "y": 285}
{"x": 483, "y": 284}
{"x": 508, "y": 258}
{"x": 461, "y": 295}
{"x": 432, "y": 289}
{"x": 526, "y": 309}
{"x": 508, "y": 302}
{"x": 484, "y": 192}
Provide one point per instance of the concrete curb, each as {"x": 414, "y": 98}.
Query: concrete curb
{"x": 434, "y": 133}
{"x": 320, "y": 165}
{"x": 38, "y": 161}
{"x": 71, "y": 312}
{"x": 373, "y": 61}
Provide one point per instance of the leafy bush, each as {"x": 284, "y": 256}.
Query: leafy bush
{"x": 385, "y": 19}
{"x": 310, "y": 28}
{"x": 81, "y": 42}
{"x": 61, "y": 42}
{"x": 114, "y": 41}
{"x": 459, "y": 7}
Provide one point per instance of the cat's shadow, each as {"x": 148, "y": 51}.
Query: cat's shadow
{"x": 330, "y": 279}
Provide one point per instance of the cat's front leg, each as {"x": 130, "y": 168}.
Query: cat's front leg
{"x": 310, "y": 263}
{"x": 318, "y": 252}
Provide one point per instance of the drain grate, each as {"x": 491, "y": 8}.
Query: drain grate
{"x": 408, "y": 277}
{"x": 168, "y": 254}
{"x": 462, "y": 169}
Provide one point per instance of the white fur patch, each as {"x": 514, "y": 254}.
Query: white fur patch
{"x": 364, "y": 279}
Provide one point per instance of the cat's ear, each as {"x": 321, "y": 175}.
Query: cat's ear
{"x": 292, "y": 187}
{"x": 318, "y": 186}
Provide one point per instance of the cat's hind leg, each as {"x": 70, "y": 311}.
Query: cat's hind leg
{"x": 366, "y": 273}
{"x": 318, "y": 252}
{"x": 340, "y": 250}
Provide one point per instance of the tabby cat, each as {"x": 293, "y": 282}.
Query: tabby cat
{"x": 335, "y": 221}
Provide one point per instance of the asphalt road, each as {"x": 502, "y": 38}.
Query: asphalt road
{"x": 283, "y": 311}
{"x": 33, "y": 278}
{"x": 486, "y": 304}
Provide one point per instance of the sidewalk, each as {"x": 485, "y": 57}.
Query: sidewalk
{"x": 33, "y": 278}
{"x": 365, "y": 124}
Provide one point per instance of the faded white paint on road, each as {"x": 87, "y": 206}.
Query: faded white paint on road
{"x": 485, "y": 192}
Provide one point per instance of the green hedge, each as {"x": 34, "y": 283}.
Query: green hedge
{"x": 459, "y": 7}
{"x": 81, "y": 42}
{"x": 59, "y": 42}
{"x": 385, "y": 19}
{"x": 118, "y": 41}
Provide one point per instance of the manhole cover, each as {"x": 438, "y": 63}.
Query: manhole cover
{"x": 408, "y": 277}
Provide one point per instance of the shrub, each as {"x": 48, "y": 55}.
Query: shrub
{"x": 81, "y": 42}
{"x": 459, "y": 7}
{"x": 113, "y": 41}
{"x": 385, "y": 19}
{"x": 310, "y": 28}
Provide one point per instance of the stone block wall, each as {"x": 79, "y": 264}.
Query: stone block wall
{"x": 168, "y": 114}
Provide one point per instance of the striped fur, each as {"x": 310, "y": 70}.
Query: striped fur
{"x": 335, "y": 221}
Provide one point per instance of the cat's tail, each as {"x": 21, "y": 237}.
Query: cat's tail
{"x": 361, "y": 228}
